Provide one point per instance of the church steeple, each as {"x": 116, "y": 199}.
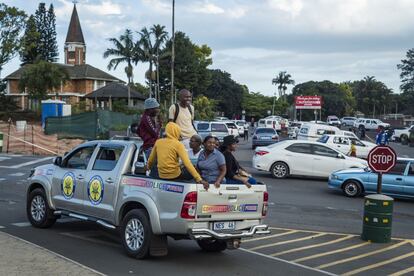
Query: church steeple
{"x": 75, "y": 47}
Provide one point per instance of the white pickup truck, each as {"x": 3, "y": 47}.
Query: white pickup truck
{"x": 370, "y": 124}
{"x": 402, "y": 134}
{"x": 105, "y": 182}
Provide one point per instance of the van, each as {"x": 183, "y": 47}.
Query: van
{"x": 269, "y": 123}
{"x": 312, "y": 132}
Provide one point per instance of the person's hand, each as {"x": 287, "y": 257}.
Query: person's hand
{"x": 246, "y": 182}
{"x": 217, "y": 184}
{"x": 205, "y": 184}
{"x": 146, "y": 167}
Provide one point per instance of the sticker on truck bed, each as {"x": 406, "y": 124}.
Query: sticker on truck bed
{"x": 236, "y": 208}
{"x": 174, "y": 188}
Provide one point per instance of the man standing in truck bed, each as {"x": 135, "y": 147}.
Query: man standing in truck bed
{"x": 182, "y": 113}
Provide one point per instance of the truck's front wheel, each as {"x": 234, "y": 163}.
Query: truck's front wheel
{"x": 136, "y": 233}
{"x": 38, "y": 211}
{"x": 212, "y": 245}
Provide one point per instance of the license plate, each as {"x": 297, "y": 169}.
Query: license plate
{"x": 224, "y": 225}
{"x": 265, "y": 138}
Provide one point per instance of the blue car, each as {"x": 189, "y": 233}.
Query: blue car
{"x": 398, "y": 182}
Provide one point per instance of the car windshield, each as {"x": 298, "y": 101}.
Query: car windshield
{"x": 202, "y": 126}
{"x": 240, "y": 123}
{"x": 218, "y": 128}
{"x": 265, "y": 131}
{"x": 231, "y": 125}
{"x": 323, "y": 139}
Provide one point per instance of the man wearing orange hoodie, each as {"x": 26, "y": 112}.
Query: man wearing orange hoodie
{"x": 167, "y": 151}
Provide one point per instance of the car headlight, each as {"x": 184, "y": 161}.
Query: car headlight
{"x": 334, "y": 176}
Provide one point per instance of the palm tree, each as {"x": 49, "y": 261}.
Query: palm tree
{"x": 282, "y": 81}
{"x": 161, "y": 36}
{"x": 145, "y": 53}
{"x": 124, "y": 51}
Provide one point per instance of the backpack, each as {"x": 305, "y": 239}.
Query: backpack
{"x": 177, "y": 111}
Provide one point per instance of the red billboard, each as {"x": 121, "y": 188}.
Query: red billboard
{"x": 308, "y": 102}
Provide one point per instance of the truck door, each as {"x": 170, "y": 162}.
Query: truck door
{"x": 69, "y": 179}
{"x": 102, "y": 180}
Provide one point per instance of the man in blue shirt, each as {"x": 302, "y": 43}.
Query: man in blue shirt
{"x": 382, "y": 137}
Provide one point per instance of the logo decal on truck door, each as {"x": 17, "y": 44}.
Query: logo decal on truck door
{"x": 95, "y": 190}
{"x": 68, "y": 185}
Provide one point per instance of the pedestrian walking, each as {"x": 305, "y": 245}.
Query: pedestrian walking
{"x": 352, "y": 152}
{"x": 382, "y": 137}
{"x": 246, "y": 134}
{"x": 182, "y": 113}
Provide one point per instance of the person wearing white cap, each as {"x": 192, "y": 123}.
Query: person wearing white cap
{"x": 149, "y": 128}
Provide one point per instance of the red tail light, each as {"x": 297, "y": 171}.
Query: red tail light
{"x": 188, "y": 211}
{"x": 261, "y": 152}
{"x": 275, "y": 137}
{"x": 265, "y": 200}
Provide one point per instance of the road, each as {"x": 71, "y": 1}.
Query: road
{"x": 312, "y": 228}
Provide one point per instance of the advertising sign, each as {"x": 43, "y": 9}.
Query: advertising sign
{"x": 308, "y": 102}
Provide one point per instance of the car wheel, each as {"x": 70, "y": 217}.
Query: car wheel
{"x": 136, "y": 233}
{"x": 212, "y": 245}
{"x": 38, "y": 211}
{"x": 352, "y": 189}
{"x": 404, "y": 140}
{"x": 279, "y": 170}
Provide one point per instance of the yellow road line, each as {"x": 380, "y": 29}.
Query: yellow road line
{"x": 310, "y": 231}
{"x": 331, "y": 252}
{"x": 285, "y": 242}
{"x": 271, "y": 236}
{"x": 402, "y": 272}
{"x": 363, "y": 255}
{"x": 312, "y": 246}
{"x": 355, "y": 271}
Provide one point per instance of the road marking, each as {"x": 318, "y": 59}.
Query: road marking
{"x": 271, "y": 236}
{"x": 4, "y": 158}
{"x": 355, "y": 271}
{"x": 27, "y": 163}
{"x": 316, "y": 232}
{"x": 287, "y": 262}
{"x": 363, "y": 255}
{"x": 402, "y": 272}
{"x": 2, "y": 227}
{"x": 21, "y": 224}
{"x": 2, "y": 179}
{"x": 286, "y": 242}
{"x": 331, "y": 252}
{"x": 17, "y": 174}
{"x": 312, "y": 246}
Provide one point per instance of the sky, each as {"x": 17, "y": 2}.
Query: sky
{"x": 336, "y": 40}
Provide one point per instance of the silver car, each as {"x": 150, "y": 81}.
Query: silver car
{"x": 216, "y": 129}
{"x": 264, "y": 136}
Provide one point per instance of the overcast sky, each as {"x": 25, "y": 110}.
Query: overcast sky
{"x": 337, "y": 40}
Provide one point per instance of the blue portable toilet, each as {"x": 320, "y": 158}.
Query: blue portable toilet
{"x": 51, "y": 108}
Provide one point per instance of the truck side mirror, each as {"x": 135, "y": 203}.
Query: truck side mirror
{"x": 57, "y": 161}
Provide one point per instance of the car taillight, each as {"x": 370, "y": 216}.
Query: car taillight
{"x": 188, "y": 211}
{"x": 261, "y": 152}
{"x": 265, "y": 200}
{"x": 275, "y": 137}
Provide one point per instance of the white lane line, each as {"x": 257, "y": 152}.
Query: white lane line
{"x": 56, "y": 254}
{"x": 21, "y": 224}
{"x": 30, "y": 163}
{"x": 2, "y": 179}
{"x": 2, "y": 227}
{"x": 288, "y": 262}
{"x": 4, "y": 158}
{"x": 17, "y": 174}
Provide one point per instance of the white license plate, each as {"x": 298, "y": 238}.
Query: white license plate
{"x": 265, "y": 138}
{"x": 224, "y": 225}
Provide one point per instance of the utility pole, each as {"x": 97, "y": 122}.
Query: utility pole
{"x": 172, "y": 54}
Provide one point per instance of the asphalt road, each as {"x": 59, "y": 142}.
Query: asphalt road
{"x": 310, "y": 225}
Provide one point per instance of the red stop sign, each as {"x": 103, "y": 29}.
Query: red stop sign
{"x": 381, "y": 159}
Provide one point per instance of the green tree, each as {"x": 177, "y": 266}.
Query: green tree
{"x": 29, "y": 52}
{"x": 407, "y": 72}
{"x": 42, "y": 77}
{"x": 12, "y": 22}
{"x": 282, "y": 80}
{"x": 46, "y": 27}
{"x": 161, "y": 36}
{"x": 146, "y": 53}
{"x": 205, "y": 108}
{"x": 124, "y": 51}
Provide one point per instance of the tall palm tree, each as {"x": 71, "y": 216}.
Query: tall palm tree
{"x": 282, "y": 81}
{"x": 145, "y": 49}
{"x": 161, "y": 36}
{"x": 124, "y": 51}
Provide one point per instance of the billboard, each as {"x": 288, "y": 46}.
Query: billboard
{"x": 308, "y": 102}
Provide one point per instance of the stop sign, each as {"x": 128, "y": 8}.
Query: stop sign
{"x": 381, "y": 159}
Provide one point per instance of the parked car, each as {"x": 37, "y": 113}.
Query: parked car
{"x": 221, "y": 119}
{"x": 402, "y": 135}
{"x": 355, "y": 182}
{"x": 215, "y": 128}
{"x": 295, "y": 157}
{"x": 370, "y": 124}
{"x": 264, "y": 137}
{"x": 348, "y": 121}
{"x": 241, "y": 126}
{"x": 232, "y": 128}
{"x": 333, "y": 120}
{"x": 272, "y": 123}
{"x": 293, "y": 129}
{"x": 343, "y": 144}
{"x": 104, "y": 182}
{"x": 312, "y": 131}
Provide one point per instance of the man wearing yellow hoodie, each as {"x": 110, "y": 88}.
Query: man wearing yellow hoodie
{"x": 167, "y": 152}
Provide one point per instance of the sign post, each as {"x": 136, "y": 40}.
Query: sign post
{"x": 378, "y": 208}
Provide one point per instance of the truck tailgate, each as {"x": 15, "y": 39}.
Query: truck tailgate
{"x": 230, "y": 202}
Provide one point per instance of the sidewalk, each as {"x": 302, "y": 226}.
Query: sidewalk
{"x": 18, "y": 257}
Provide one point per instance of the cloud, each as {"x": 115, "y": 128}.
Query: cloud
{"x": 206, "y": 8}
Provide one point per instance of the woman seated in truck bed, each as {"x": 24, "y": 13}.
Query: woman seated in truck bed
{"x": 211, "y": 162}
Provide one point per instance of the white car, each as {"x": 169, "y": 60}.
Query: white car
{"x": 232, "y": 127}
{"x": 269, "y": 123}
{"x": 370, "y": 124}
{"x": 343, "y": 144}
{"x": 241, "y": 125}
{"x": 294, "y": 157}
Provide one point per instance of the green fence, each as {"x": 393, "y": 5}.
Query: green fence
{"x": 89, "y": 125}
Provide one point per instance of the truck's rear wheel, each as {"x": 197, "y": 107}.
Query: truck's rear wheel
{"x": 210, "y": 245}
{"x": 136, "y": 233}
{"x": 38, "y": 211}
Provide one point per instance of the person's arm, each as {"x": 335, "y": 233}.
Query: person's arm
{"x": 171, "y": 113}
{"x": 182, "y": 153}
{"x": 229, "y": 165}
{"x": 149, "y": 126}
{"x": 222, "y": 169}
{"x": 152, "y": 157}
